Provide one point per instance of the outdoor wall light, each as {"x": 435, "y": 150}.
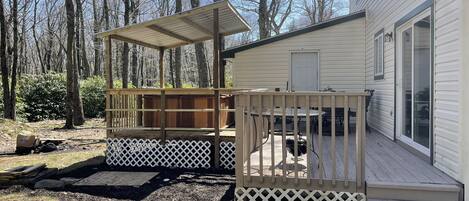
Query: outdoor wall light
{"x": 388, "y": 37}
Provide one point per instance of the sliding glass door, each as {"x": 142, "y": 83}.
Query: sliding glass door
{"x": 414, "y": 84}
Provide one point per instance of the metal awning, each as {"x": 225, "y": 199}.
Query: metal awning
{"x": 182, "y": 28}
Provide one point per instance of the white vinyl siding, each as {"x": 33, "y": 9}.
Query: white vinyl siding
{"x": 447, "y": 86}
{"x": 341, "y": 57}
{"x": 447, "y": 77}
{"x": 379, "y": 54}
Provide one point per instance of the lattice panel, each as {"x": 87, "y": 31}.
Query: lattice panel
{"x": 227, "y": 155}
{"x": 149, "y": 152}
{"x": 246, "y": 194}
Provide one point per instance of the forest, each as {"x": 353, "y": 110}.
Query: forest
{"x": 51, "y": 59}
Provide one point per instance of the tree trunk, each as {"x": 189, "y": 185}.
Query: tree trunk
{"x": 84, "y": 58}
{"x": 177, "y": 55}
{"x": 125, "y": 50}
{"x": 263, "y": 20}
{"x": 106, "y": 14}
{"x": 70, "y": 37}
{"x": 97, "y": 41}
{"x": 134, "y": 57}
{"x": 36, "y": 41}
{"x": 3, "y": 63}
{"x": 202, "y": 67}
{"x": 14, "y": 69}
{"x": 77, "y": 50}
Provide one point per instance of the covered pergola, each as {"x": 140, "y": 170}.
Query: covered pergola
{"x": 209, "y": 22}
{"x": 124, "y": 107}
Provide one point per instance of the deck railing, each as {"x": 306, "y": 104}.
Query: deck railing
{"x": 262, "y": 140}
{"x": 131, "y": 111}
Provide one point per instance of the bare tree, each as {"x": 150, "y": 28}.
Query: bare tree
{"x": 3, "y": 63}
{"x": 14, "y": 67}
{"x": 202, "y": 66}
{"x": 70, "y": 64}
{"x": 177, "y": 54}
{"x": 125, "y": 49}
{"x": 318, "y": 10}
{"x": 97, "y": 23}
{"x": 272, "y": 14}
{"x": 85, "y": 66}
{"x": 134, "y": 58}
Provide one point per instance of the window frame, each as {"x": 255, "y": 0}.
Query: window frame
{"x": 378, "y": 37}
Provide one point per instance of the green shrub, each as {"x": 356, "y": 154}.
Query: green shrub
{"x": 93, "y": 94}
{"x": 43, "y": 96}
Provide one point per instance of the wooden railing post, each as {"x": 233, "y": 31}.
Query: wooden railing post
{"x": 239, "y": 157}
{"x": 360, "y": 144}
{"x": 163, "y": 116}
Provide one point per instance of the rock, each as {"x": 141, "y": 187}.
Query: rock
{"x": 49, "y": 184}
{"x": 69, "y": 180}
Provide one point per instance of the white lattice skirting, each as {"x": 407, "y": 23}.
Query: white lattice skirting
{"x": 245, "y": 194}
{"x": 149, "y": 152}
{"x": 227, "y": 155}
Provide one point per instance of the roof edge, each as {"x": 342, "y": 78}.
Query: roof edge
{"x": 230, "y": 53}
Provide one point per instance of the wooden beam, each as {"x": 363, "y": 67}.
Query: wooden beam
{"x": 216, "y": 85}
{"x": 169, "y": 33}
{"x": 129, "y": 40}
{"x": 196, "y": 26}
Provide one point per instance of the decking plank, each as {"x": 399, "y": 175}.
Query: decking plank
{"x": 386, "y": 161}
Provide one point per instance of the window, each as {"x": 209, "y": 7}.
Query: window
{"x": 379, "y": 55}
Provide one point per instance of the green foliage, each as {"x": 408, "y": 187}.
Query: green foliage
{"x": 93, "y": 93}
{"x": 43, "y": 96}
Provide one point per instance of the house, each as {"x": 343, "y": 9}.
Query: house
{"x": 413, "y": 54}
{"x": 293, "y": 139}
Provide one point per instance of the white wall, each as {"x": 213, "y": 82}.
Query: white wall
{"x": 465, "y": 99}
{"x": 448, "y": 86}
{"x": 341, "y": 50}
{"x": 447, "y": 74}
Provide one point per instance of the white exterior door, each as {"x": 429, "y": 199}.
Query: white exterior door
{"x": 304, "y": 71}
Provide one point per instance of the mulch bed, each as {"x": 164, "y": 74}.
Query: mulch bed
{"x": 170, "y": 184}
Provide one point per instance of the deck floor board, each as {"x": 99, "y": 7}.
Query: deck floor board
{"x": 386, "y": 161}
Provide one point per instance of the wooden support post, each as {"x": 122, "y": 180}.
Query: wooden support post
{"x": 162, "y": 99}
{"x": 161, "y": 67}
{"x": 222, "y": 63}
{"x": 109, "y": 82}
{"x": 216, "y": 85}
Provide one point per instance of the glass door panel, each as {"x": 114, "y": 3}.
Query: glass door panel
{"x": 407, "y": 81}
{"x": 422, "y": 82}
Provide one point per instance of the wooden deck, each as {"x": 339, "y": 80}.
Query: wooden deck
{"x": 386, "y": 161}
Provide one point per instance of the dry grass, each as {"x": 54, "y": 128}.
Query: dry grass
{"x": 22, "y": 196}
{"x": 52, "y": 160}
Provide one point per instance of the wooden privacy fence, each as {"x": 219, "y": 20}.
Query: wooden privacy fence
{"x": 135, "y": 110}
{"x": 269, "y": 154}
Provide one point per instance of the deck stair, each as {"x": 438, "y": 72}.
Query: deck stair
{"x": 413, "y": 191}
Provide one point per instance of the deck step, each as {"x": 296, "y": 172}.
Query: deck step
{"x": 411, "y": 191}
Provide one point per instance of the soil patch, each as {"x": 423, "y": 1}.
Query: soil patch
{"x": 169, "y": 184}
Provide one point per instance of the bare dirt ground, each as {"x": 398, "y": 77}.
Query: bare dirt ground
{"x": 83, "y": 137}
{"x": 86, "y": 142}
